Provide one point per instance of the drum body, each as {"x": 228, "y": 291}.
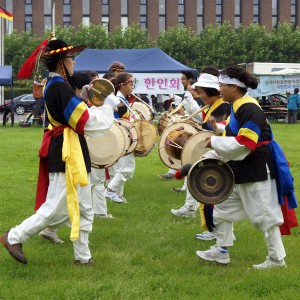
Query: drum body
{"x": 106, "y": 149}
{"x": 131, "y": 135}
{"x": 194, "y": 148}
{"x": 147, "y": 136}
{"x": 143, "y": 110}
{"x": 172, "y": 142}
{"x": 166, "y": 120}
{"x": 210, "y": 181}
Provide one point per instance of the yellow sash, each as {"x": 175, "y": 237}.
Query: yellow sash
{"x": 75, "y": 174}
{"x": 216, "y": 104}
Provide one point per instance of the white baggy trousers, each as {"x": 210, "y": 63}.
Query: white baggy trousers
{"x": 258, "y": 202}
{"x": 54, "y": 214}
{"x": 123, "y": 170}
{"x": 98, "y": 187}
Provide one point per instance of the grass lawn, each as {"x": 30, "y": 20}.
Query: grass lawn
{"x": 145, "y": 252}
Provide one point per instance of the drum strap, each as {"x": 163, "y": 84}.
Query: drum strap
{"x": 107, "y": 176}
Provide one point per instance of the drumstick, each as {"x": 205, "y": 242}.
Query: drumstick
{"x": 196, "y": 113}
{"x": 176, "y": 109}
{"x": 128, "y": 107}
{"x": 135, "y": 96}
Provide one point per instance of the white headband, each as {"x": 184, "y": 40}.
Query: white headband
{"x": 227, "y": 80}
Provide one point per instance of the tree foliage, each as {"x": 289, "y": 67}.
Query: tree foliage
{"x": 216, "y": 45}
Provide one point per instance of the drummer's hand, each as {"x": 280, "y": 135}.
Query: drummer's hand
{"x": 84, "y": 93}
{"x": 213, "y": 123}
{"x": 208, "y": 140}
{"x": 112, "y": 101}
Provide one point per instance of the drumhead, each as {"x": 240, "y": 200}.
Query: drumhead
{"x": 132, "y": 135}
{"x": 210, "y": 181}
{"x": 147, "y": 136}
{"x": 143, "y": 109}
{"x": 194, "y": 148}
{"x": 166, "y": 140}
{"x": 101, "y": 88}
{"x": 105, "y": 150}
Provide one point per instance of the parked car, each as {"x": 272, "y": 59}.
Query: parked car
{"x": 22, "y": 104}
{"x": 275, "y": 99}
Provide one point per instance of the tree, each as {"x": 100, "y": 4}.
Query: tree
{"x": 285, "y": 46}
{"x": 180, "y": 43}
{"x": 131, "y": 38}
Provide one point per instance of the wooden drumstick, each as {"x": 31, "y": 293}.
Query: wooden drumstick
{"x": 135, "y": 96}
{"x": 196, "y": 113}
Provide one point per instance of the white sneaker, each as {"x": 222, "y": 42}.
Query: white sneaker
{"x": 215, "y": 254}
{"x": 112, "y": 196}
{"x": 107, "y": 216}
{"x": 124, "y": 199}
{"x": 270, "y": 263}
{"x": 205, "y": 236}
{"x": 51, "y": 236}
{"x": 184, "y": 212}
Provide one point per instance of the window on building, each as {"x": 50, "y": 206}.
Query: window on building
{"x": 143, "y": 14}
{"x": 162, "y": 23}
{"x": 67, "y": 13}
{"x": 162, "y": 15}
{"x": 143, "y": 22}
{"x": 28, "y": 15}
{"x": 9, "y": 24}
{"x": 86, "y": 20}
{"x": 181, "y": 13}
{"x": 199, "y": 16}
{"x": 105, "y": 21}
{"x": 105, "y": 14}
{"x": 274, "y": 12}
{"x": 48, "y": 22}
{"x": 28, "y": 23}
{"x": 124, "y": 14}
{"x": 86, "y": 12}
{"x": 86, "y": 7}
{"x": 293, "y": 11}
{"x": 256, "y": 12}
{"x": 237, "y": 13}
{"x": 28, "y": 7}
{"x": 47, "y": 15}
{"x": 219, "y": 12}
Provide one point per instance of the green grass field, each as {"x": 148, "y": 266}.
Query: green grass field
{"x": 145, "y": 252}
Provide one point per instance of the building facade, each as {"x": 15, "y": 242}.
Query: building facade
{"x": 155, "y": 15}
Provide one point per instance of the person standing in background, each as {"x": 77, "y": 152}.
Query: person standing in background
{"x": 293, "y": 106}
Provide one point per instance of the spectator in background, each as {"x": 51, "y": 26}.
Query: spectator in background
{"x": 116, "y": 68}
{"x": 293, "y": 106}
{"x": 195, "y": 93}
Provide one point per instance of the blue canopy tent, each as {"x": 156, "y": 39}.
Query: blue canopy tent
{"x": 147, "y": 65}
{"x": 6, "y": 79}
{"x": 150, "y": 60}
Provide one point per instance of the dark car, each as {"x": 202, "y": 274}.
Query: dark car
{"x": 22, "y": 104}
{"x": 275, "y": 99}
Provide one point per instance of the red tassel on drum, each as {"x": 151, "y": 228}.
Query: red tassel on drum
{"x": 181, "y": 173}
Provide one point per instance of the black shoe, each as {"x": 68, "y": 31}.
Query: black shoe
{"x": 15, "y": 250}
{"x": 178, "y": 190}
{"x": 90, "y": 263}
{"x": 167, "y": 176}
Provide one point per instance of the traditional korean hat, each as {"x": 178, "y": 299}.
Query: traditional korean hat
{"x": 56, "y": 47}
